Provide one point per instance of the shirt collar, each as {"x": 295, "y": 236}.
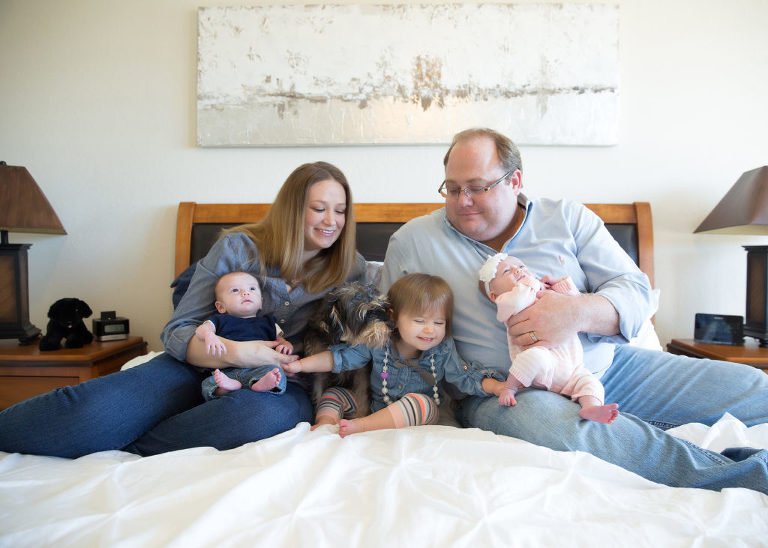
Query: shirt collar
{"x": 522, "y": 200}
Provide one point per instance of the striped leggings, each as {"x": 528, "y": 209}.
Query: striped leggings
{"x": 411, "y": 410}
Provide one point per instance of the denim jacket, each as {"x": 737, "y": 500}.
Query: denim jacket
{"x": 411, "y": 375}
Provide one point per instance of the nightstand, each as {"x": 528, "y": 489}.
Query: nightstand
{"x": 25, "y": 371}
{"x": 749, "y": 353}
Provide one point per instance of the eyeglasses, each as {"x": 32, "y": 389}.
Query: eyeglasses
{"x": 470, "y": 191}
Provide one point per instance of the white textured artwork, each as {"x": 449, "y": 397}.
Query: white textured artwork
{"x": 361, "y": 74}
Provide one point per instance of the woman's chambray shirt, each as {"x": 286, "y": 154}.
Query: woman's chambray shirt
{"x": 237, "y": 252}
{"x": 406, "y": 376}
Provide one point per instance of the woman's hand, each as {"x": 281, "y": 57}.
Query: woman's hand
{"x": 237, "y": 354}
{"x": 252, "y": 353}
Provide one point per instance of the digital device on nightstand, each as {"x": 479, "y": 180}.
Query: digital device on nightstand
{"x": 719, "y": 329}
{"x": 110, "y": 327}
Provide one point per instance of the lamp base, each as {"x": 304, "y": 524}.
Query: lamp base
{"x": 762, "y": 338}
{"x": 27, "y": 334}
{"x": 756, "y": 324}
{"x": 14, "y": 294}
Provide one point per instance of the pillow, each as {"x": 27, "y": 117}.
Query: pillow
{"x": 647, "y": 337}
{"x": 373, "y": 272}
{"x": 138, "y": 360}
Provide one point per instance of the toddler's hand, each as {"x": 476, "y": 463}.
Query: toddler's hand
{"x": 292, "y": 368}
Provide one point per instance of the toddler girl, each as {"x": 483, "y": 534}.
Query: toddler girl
{"x": 406, "y": 372}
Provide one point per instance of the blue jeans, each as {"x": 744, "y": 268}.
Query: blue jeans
{"x": 149, "y": 409}
{"x": 655, "y": 391}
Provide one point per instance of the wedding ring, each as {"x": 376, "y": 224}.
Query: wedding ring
{"x": 534, "y": 338}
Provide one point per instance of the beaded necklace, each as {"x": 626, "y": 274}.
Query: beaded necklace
{"x": 385, "y": 376}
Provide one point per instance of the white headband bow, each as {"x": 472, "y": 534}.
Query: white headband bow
{"x": 488, "y": 271}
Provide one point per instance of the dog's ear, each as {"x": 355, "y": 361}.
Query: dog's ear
{"x": 83, "y": 309}
{"x": 332, "y": 297}
{"x": 53, "y": 310}
{"x": 336, "y": 325}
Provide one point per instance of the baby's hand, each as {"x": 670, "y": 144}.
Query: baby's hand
{"x": 523, "y": 296}
{"x": 507, "y": 398}
{"x": 562, "y": 285}
{"x": 283, "y": 346}
{"x": 214, "y": 346}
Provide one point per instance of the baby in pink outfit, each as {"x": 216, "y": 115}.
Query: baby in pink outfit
{"x": 511, "y": 286}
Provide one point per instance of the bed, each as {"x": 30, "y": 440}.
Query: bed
{"x": 430, "y": 485}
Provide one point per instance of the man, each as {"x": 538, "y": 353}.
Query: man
{"x": 485, "y": 213}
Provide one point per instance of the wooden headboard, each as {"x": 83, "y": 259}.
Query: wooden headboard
{"x": 198, "y": 226}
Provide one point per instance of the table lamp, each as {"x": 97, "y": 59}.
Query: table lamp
{"x": 23, "y": 208}
{"x": 744, "y": 210}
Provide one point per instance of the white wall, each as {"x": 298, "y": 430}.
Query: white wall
{"x": 97, "y": 100}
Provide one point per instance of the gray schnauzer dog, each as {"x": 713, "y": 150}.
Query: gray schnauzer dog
{"x": 353, "y": 313}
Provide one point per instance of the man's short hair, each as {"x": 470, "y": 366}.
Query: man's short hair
{"x": 507, "y": 150}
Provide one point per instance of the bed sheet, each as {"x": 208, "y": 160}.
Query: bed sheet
{"x": 430, "y": 485}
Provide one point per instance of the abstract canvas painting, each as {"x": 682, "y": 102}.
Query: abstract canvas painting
{"x": 274, "y": 75}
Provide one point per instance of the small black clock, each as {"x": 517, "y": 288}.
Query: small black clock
{"x": 719, "y": 329}
{"x": 110, "y": 327}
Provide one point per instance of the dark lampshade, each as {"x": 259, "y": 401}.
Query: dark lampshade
{"x": 744, "y": 210}
{"x": 23, "y": 208}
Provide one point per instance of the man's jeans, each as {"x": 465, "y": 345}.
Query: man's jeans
{"x": 655, "y": 391}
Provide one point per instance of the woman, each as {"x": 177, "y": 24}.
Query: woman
{"x": 302, "y": 248}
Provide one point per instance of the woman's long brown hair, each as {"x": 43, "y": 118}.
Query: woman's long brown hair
{"x": 280, "y": 235}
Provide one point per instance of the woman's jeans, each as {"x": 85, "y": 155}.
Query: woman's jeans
{"x": 149, "y": 409}
{"x": 655, "y": 391}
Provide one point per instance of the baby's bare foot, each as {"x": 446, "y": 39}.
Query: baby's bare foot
{"x": 604, "y": 414}
{"x": 267, "y": 382}
{"x": 225, "y": 384}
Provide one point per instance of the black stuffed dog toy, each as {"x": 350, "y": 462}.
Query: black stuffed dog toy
{"x": 66, "y": 322}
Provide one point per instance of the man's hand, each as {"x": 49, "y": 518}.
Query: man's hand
{"x": 554, "y": 318}
{"x": 550, "y": 321}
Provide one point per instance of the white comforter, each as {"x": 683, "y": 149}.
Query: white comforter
{"x": 430, "y": 486}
